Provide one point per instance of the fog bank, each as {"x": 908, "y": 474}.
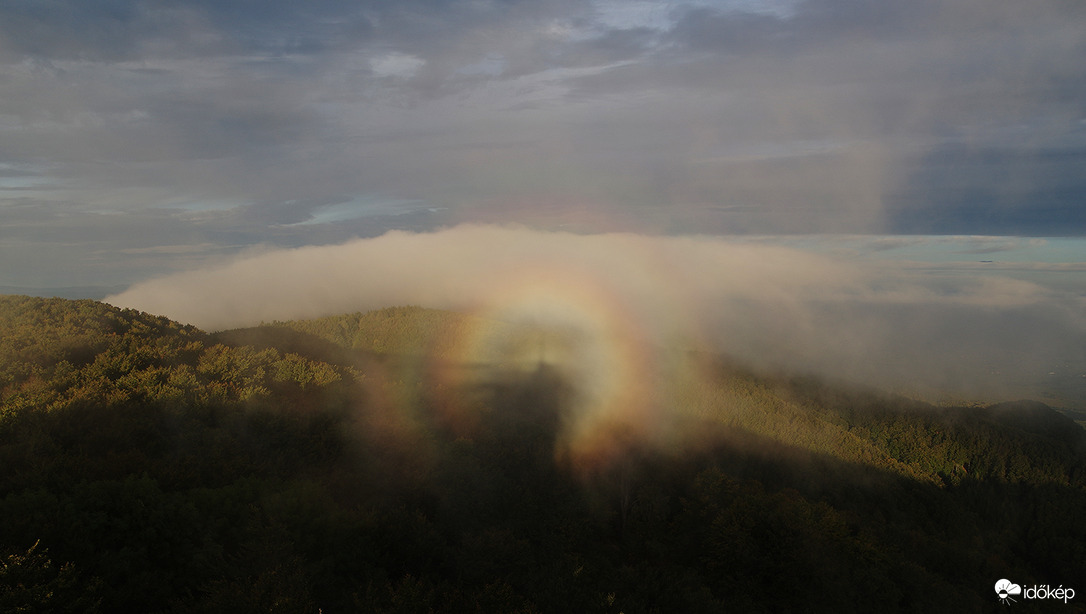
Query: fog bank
{"x": 874, "y": 322}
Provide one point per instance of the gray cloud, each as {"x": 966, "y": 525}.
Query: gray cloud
{"x": 929, "y": 116}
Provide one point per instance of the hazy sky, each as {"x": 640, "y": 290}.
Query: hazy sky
{"x": 143, "y": 138}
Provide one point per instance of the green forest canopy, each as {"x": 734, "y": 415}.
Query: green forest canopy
{"x": 151, "y": 466}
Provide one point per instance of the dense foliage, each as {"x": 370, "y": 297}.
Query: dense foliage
{"x": 149, "y": 466}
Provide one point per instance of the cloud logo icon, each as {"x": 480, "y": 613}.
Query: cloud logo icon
{"x": 1005, "y": 588}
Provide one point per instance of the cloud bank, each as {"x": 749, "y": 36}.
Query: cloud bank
{"x": 926, "y": 331}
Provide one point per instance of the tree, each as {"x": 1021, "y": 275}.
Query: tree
{"x": 31, "y": 583}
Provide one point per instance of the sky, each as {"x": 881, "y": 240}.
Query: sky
{"x": 143, "y": 138}
{"x": 833, "y": 185}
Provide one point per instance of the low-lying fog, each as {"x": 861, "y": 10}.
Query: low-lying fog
{"x": 932, "y": 329}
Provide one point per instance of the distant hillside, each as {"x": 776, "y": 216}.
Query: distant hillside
{"x": 394, "y": 330}
{"x": 305, "y": 466}
{"x": 862, "y": 426}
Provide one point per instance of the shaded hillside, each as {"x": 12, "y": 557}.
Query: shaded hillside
{"x": 1010, "y": 441}
{"x": 149, "y": 466}
{"x": 1021, "y": 441}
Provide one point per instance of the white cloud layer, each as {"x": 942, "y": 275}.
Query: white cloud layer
{"x": 868, "y": 321}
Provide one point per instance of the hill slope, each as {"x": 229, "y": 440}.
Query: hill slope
{"x": 151, "y": 466}
{"x": 1020, "y": 441}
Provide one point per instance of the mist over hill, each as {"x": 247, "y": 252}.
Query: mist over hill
{"x": 412, "y": 459}
{"x": 556, "y": 306}
{"x": 952, "y": 333}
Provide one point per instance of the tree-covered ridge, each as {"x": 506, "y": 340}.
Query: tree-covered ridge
{"x": 103, "y": 412}
{"x": 402, "y": 330}
{"x": 1022, "y": 441}
{"x": 37, "y": 335}
{"x": 915, "y": 439}
{"x": 57, "y": 354}
{"x": 153, "y": 467}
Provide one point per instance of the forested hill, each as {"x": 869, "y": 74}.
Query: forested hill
{"x": 153, "y": 467}
{"x": 1014, "y": 441}
{"x": 402, "y": 330}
